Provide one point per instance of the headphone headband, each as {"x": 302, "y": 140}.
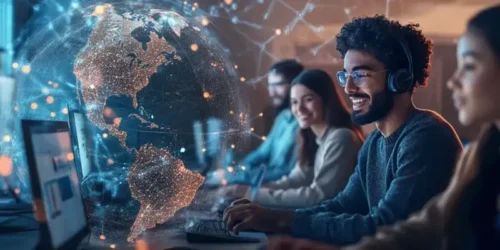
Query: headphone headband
{"x": 406, "y": 49}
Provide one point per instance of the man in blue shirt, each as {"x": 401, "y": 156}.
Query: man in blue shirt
{"x": 277, "y": 151}
{"x": 407, "y": 160}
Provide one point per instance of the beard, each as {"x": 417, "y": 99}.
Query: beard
{"x": 382, "y": 103}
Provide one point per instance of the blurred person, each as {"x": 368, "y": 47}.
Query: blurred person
{"x": 277, "y": 151}
{"x": 328, "y": 144}
{"x": 406, "y": 161}
{"x": 467, "y": 214}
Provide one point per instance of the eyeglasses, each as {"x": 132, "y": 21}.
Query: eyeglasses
{"x": 358, "y": 77}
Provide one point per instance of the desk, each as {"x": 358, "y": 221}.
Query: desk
{"x": 158, "y": 239}
{"x": 162, "y": 237}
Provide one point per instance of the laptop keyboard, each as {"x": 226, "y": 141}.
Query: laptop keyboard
{"x": 211, "y": 227}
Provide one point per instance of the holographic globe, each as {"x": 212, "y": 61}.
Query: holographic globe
{"x": 143, "y": 75}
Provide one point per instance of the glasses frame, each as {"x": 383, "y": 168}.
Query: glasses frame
{"x": 356, "y": 82}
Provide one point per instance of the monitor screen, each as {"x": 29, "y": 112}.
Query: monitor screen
{"x": 59, "y": 184}
{"x": 78, "y": 131}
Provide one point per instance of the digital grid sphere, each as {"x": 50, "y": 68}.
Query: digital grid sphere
{"x": 143, "y": 75}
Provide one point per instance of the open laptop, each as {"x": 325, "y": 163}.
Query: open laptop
{"x": 55, "y": 185}
{"x": 80, "y": 143}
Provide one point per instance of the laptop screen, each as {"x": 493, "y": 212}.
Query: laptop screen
{"x": 79, "y": 135}
{"x": 58, "y": 179}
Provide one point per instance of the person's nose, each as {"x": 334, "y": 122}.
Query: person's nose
{"x": 350, "y": 87}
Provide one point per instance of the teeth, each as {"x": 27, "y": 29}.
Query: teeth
{"x": 357, "y": 100}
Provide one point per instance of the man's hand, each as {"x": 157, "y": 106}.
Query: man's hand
{"x": 234, "y": 191}
{"x": 287, "y": 243}
{"x": 244, "y": 215}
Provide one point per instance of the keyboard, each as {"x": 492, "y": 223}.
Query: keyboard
{"x": 214, "y": 231}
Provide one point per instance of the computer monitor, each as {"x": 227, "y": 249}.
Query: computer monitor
{"x": 79, "y": 141}
{"x": 57, "y": 199}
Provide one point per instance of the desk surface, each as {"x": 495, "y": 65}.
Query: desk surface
{"x": 161, "y": 238}
{"x": 158, "y": 239}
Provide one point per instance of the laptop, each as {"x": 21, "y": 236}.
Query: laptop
{"x": 80, "y": 143}
{"x": 55, "y": 185}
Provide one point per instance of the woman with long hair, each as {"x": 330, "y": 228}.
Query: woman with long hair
{"x": 328, "y": 145}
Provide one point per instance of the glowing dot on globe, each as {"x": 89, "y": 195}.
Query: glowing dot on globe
{"x": 233, "y": 146}
{"x": 203, "y": 150}
{"x": 204, "y": 22}
{"x": 231, "y": 112}
{"x": 17, "y": 191}
{"x": 113, "y": 246}
{"x": 243, "y": 168}
{"x": 5, "y": 165}
{"x": 15, "y": 65}
{"x": 52, "y": 114}
{"x": 236, "y": 66}
{"x": 194, "y": 47}
{"x": 193, "y": 8}
{"x": 228, "y": 2}
{"x": 49, "y": 99}
{"x": 195, "y": 4}
{"x": 230, "y": 169}
{"x": 99, "y": 10}
{"x": 6, "y": 138}
{"x": 55, "y": 85}
{"x": 70, "y": 156}
{"x": 110, "y": 161}
{"x": 34, "y": 105}
{"x": 104, "y": 135}
{"x": 65, "y": 111}
{"x": 242, "y": 79}
{"x": 102, "y": 237}
{"x": 183, "y": 150}
{"x": 45, "y": 91}
{"x": 264, "y": 138}
{"x": 278, "y": 32}
{"x": 26, "y": 69}
{"x": 261, "y": 114}
{"x": 16, "y": 108}
{"x": 92, "y": 86}
{"x": 206, "y": 95}
{"x": 185, "y": 2}
{"x": 252, "y": 129}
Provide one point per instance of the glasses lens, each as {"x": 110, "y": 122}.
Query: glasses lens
{"x": 342, "y": 77}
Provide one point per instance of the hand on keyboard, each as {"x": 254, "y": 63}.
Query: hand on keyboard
{"x": 244, "y": 215}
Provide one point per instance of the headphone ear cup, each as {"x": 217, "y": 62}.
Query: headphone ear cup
{"x": 399, "y": 81}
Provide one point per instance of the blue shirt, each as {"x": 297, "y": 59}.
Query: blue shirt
{"x": 277, "y": 152}
{"x": 395, "y": 176}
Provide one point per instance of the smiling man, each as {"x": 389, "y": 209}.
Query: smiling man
{"x": 407, "y": 160}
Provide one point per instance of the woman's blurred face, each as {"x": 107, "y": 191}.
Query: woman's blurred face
{"x": 476, "y": 81}
{"x": 307, "y": 106}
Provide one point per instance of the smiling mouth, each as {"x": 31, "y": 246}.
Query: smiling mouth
{"x": 358, "y": 102}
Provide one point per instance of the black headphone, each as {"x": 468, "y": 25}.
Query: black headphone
{"x": 401, "y": 80}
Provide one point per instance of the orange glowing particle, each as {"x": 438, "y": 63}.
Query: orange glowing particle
{"x": 65, "y": 111}
{"x": 102, "y": 237}
{"x": 70, "y": 156}
{"x": 5, "y": 165}
{"x": 206, "y": 95}
{"x": 194, "y": 47}
{"x": 34, "y": 105}
{"x": 52, "y": 114}
{"x": 49, "y": 99}
{"x": 204, "y": 22}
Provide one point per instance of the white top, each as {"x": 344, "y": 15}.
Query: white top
{"x": 306, "y": 186}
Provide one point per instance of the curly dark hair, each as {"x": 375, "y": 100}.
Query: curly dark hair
{"x": 381, "y": 37}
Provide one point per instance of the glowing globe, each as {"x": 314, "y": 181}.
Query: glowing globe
{"x": 143, "y": 76}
